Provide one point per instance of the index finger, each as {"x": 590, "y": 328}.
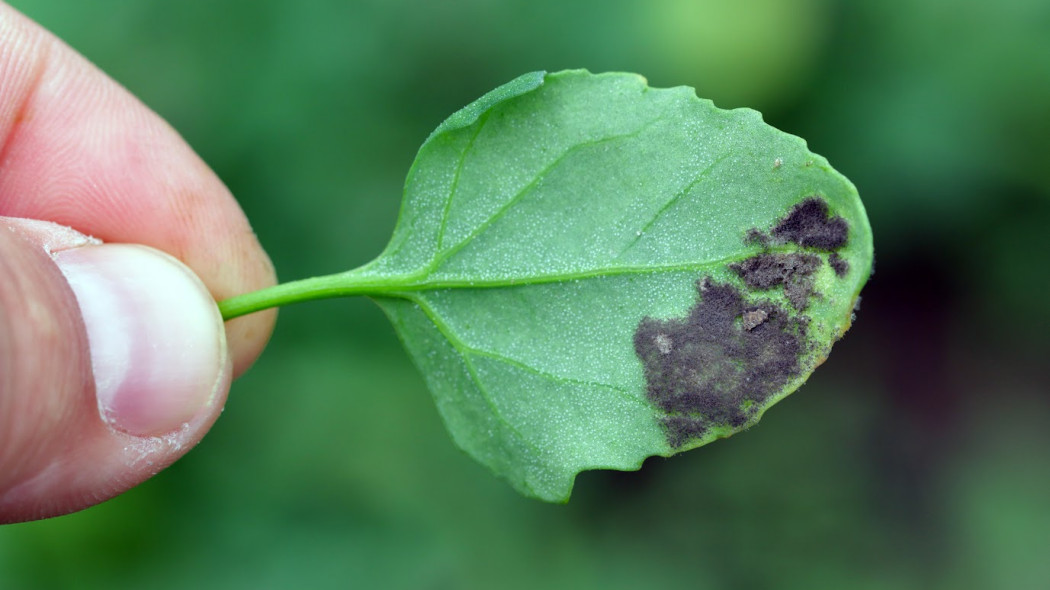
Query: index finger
{"x": 77, "y": 149}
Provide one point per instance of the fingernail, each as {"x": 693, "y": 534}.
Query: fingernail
{"x": 158, "y": 346}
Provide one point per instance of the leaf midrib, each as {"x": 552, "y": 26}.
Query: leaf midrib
{"x": 402, "y": 285}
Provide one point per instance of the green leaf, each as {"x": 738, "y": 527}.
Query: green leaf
{"x": 589, "y": 271}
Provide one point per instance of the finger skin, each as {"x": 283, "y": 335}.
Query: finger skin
{"x": 79, "y": 150}
{"x": 57, "y": 453}
{"x": 38, "y": 312}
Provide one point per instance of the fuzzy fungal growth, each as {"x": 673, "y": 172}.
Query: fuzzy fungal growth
{"x": 839, "y": 264}
{"x": 719, "y": 365}
{"x": 809, "y": 226}
{"x": 793, "y": 271}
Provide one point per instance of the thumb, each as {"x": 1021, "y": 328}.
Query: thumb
{"x": 113, "y": 364}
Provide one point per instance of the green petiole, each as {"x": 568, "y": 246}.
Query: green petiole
{"x": 343, "y": 284}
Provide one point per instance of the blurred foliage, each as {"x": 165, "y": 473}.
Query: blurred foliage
{"x": 916, "y": 458}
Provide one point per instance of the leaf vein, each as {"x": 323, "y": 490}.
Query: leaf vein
{"x": 427, "y": 282}
{"x": 669, "y": 204}
{"x": 463, "y": 351}
{"x": 545, "y": 374}
{"x": 443, "y": 255}
{"x": 455, "y": 179}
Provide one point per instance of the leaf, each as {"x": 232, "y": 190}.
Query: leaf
{"x": 589, "y": 272}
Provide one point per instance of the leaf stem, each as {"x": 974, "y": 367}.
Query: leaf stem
{"x": 342, "y": 284}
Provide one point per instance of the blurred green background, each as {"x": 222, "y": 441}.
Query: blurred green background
{"x": 917, "y": 457}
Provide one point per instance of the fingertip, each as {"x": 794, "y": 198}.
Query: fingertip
{"x": 113, "y": 365}
{"x": 158, "y": 344}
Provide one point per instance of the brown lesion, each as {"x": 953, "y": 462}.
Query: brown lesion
{"x": 810, "y": 225}
{"x": 814, "y": 230}
{"x": 719, "y": 365}
{"x": 838, "y": 264}
{"x": 794, "y": 271}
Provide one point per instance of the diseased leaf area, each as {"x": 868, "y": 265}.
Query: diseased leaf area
{"x": 807, "y": 226}
{"x": 718, "y": 366}
{"x": 590, "y": 272}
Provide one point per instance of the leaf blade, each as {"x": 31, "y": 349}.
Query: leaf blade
{"x": 554, "y": 226}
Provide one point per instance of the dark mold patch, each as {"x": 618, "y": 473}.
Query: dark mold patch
{"x": 839, "y": 264}
{"x": 794, "y": 271}
{"x": 682, "y": 429}
{"x": 756, "y": 236}
{"x": 767, "y": 270}
{"x": 808, "y": 225}
{"x": 720, "y": 363}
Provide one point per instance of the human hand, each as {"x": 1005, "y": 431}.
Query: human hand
{"x": 114, "y": 360}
